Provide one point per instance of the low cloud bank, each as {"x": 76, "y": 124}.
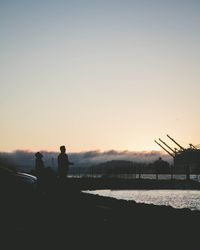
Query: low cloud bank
{"x": 25, "y": 160}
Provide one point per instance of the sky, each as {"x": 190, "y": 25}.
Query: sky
{"x": 99, "y": 74}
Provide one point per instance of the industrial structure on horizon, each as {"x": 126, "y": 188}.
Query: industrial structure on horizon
{"x": 185, "y": 159}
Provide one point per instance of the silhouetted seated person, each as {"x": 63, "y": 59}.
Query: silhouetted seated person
{"x": 63, "y": 163}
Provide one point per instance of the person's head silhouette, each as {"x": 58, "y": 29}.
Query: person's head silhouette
{"x": 38, "y": 155}
{"x": 62, "y": 149}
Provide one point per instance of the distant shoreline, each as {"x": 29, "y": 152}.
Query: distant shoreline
{"x": 132, "y": 184}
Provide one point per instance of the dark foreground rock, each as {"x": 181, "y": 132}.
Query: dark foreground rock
{"x": 63, "y": 217}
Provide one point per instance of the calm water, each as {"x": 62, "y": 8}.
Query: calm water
{"x": 175, "y": 198}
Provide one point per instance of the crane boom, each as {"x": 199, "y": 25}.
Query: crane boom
{"x": 176, "y": 142}
{"x": 164, "y": 149}
{"x": 192, "y": 146}
{"x": 167, "y": 146}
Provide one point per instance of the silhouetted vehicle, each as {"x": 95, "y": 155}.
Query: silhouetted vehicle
{"x": 18, "y": 193}
{"x": 14, "y": 182}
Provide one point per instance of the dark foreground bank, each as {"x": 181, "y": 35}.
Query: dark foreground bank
{"x": 61, "y": 215}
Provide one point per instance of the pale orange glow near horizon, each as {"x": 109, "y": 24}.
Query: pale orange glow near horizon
{"x": 99, "y": 75}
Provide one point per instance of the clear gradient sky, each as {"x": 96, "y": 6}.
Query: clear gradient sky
{"x": 99, "y": 74}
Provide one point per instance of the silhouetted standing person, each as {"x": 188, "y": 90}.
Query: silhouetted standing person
{"x": 40, "y": 170}
{"x": 39, "y": 164}
{"x": 63, "y": 163}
